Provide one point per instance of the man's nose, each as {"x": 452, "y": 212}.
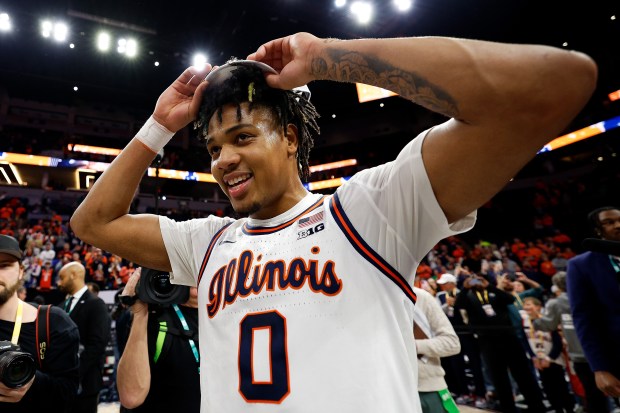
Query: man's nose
{"x": 228, "y": 157}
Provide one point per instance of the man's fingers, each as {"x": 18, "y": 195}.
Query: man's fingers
{"x": 192, "y": 72}
{"x": 199, "y": 76}
{"x": 194, "y": 105}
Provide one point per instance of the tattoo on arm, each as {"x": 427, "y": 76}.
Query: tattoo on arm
{"x": 346, "y": 66}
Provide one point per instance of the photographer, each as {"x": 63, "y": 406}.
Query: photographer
{"x": 159, "y": 369}
{"x": 55, "y": 381}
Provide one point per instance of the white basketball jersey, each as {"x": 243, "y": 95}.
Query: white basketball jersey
{"x": 311, "y": 311}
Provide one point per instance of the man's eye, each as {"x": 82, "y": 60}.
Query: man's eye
{"x": 243, "y": 137}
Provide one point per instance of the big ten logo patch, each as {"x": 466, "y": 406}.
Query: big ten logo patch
{"x": 310, "y": 225}
{"x": 310, "y": 231}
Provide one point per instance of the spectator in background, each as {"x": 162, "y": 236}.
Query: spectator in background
{"x": 46, "y": 279}
{"x": 93, "y": 288}
{"x": 126, "y": 271}
{"x": 558, "y": 261}
{"x": 91, "y": 316}
{"x": 593, "y": 281}
{"x": 22, "y": 293}
{"x": 434, "y": 338}
{"x": 454, "y": 366}
{"x": 488, "y": 310}
{"x": 557, "y": 315}
{"x": 48, "y": 253}
{"x": 545, "y": 349}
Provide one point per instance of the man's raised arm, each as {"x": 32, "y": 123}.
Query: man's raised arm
{"x": 505, "y": 101}
{"x": 103, "y": 218}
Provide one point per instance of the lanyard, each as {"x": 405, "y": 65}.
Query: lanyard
{"x": 519, "y": 300}
{"x": 186, "y": 328}
{"x": 614, "y": 264}
{"x": 536, "y": 336}
{"x": 486, "y": 297}
{"x": 18, "y": 322}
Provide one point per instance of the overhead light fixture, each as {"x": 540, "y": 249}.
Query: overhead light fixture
{"x": 128, "y": 47}
{"x": 103, "y": 41}
{"x": 402, "y": 5}
{"x": 199, "y": 60}
{"x": 46, "y": 28}
{"x": 132, "y": 48}
{"x": 340, "y": 3}
{"x": 61, "y": 32}
{"x": 58, "y": 31}
{"x": 362, "y": 10}
{"x": 5, "y": 22}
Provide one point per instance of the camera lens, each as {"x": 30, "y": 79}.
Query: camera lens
{"x": 161, "y": 285}
{"x": 155, "y": 287}
{"x": 16, "y": 368}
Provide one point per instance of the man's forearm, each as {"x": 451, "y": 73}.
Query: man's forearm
{"x": 134, "y": 373}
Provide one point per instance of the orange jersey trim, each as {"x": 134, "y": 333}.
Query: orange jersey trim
{"x": 249, "y": 230}
{"x": 366, "y": 251}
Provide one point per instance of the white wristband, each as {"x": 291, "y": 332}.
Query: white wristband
{"x": 153, "y": 135}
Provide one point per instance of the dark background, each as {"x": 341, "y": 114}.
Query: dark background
{"x": 171, "y": 32}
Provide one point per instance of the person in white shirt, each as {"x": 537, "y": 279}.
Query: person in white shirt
{"x": 434, "y": 338}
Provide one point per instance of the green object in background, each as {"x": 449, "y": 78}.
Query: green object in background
{"x": 448, "y": 402}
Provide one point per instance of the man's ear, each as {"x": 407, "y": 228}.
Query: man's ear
{"x": 292, "y": 138}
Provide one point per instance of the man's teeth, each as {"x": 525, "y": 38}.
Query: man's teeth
{"x": 237, "y": 180}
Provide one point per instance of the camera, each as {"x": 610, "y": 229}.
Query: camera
{"x": 16, "y": 367}
{"x": 154, "y": 287}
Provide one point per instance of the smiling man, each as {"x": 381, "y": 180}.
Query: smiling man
{"x": 306, "y": 305}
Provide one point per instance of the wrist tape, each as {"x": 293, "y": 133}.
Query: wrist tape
{"x": 153, "y": 135}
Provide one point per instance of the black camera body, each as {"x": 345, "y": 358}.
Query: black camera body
{"x": 16, "y": 367}
{"x": 154, "y": 287}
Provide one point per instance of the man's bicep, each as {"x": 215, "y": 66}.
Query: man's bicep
{"x": 468, "y": 164}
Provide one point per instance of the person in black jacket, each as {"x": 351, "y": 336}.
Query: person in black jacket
{"x": 55, "y": 382}
{"x": 91, "y": 316}
{"x": 161, "y": 357}
{"x": 488, "y": 313}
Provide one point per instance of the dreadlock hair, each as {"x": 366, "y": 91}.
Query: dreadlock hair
{"x": 247, "y": 84}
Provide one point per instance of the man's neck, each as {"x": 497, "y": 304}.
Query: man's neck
{"x": 77, "y": 288}
{"x": 9, "y": 309}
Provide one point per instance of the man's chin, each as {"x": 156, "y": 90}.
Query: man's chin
{"x": 243, "y": 211}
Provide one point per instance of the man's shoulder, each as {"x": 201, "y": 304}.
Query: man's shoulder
{"x": 59, "y": 319}
{"x": 587, "y": 257}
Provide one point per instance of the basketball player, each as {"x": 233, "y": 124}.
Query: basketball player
{"x": 306, "y": 305}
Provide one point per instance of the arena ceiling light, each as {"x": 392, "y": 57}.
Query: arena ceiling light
{"x": 5, "y": 22}
{"x": 402, "y": 5}
{"x": 128, "y": 47}
{"x": 104, "y": 41}
{"x": 340, "y": 3}
{"x": 199, "y": 60}
{"x": 362, "y": 10}
{"x": 58, "y": 31}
